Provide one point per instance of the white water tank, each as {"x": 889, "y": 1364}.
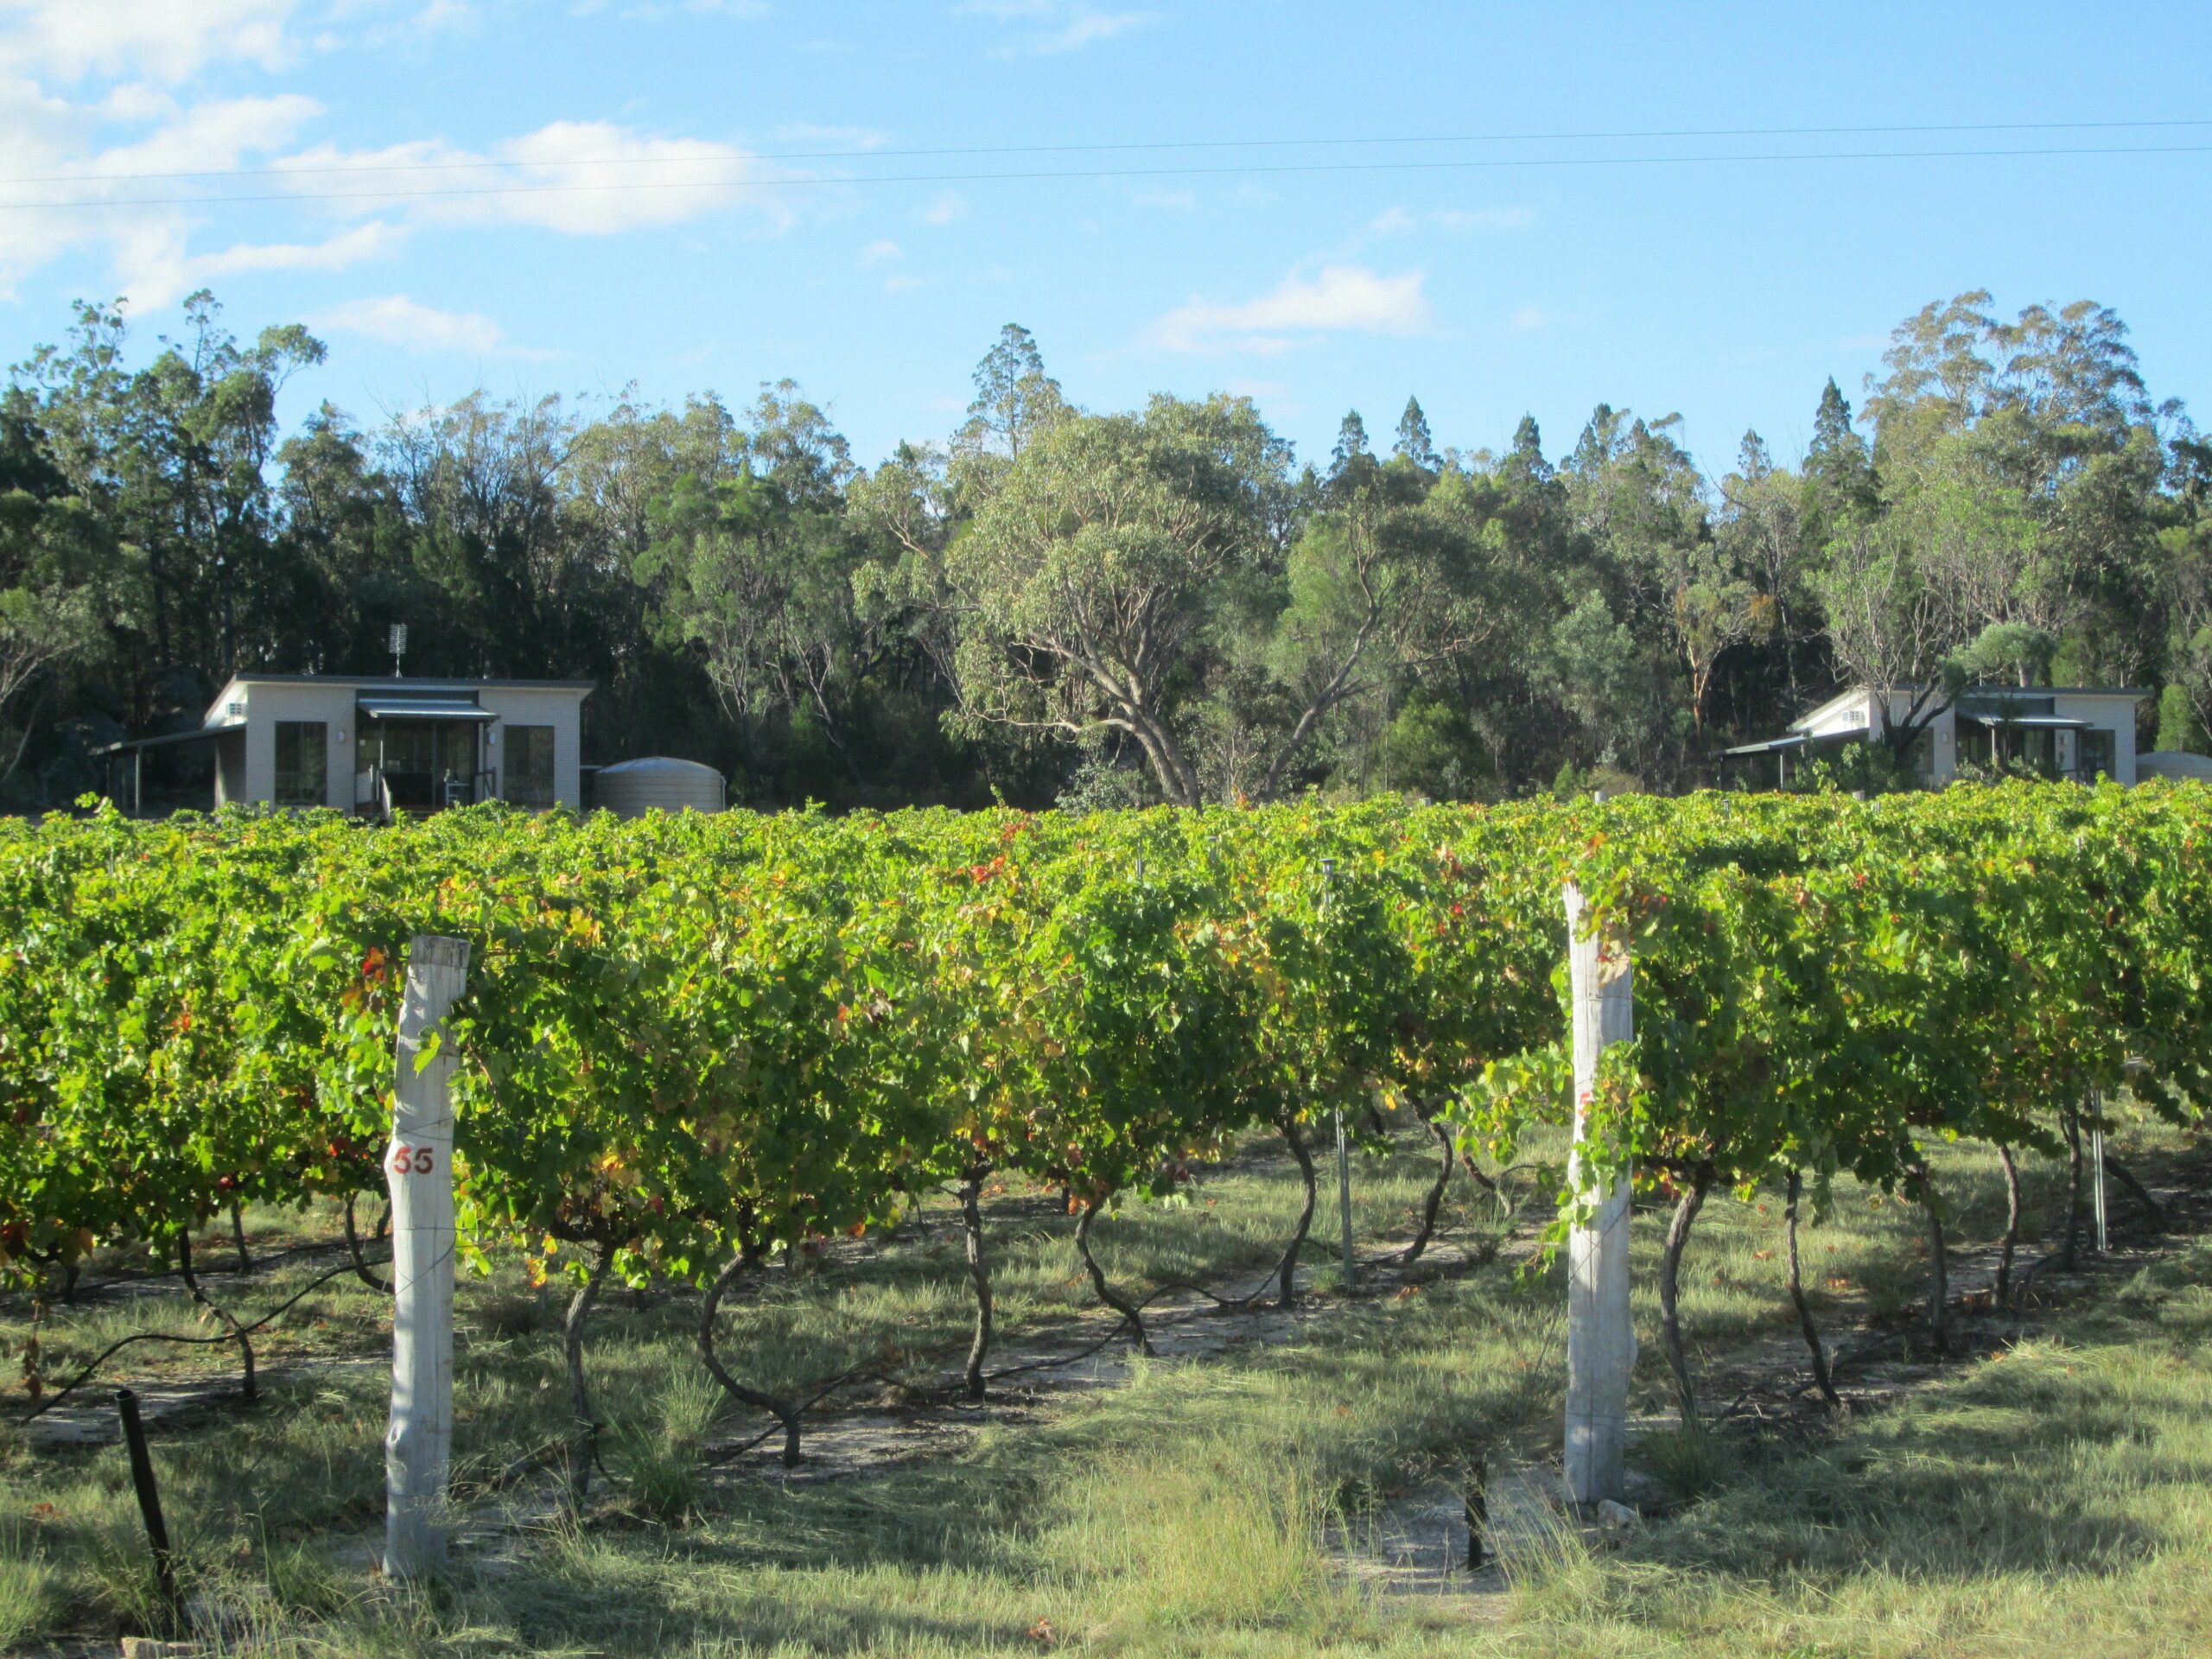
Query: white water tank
{"x": 658, "y": 783}
{"x": 2173, "y": 763}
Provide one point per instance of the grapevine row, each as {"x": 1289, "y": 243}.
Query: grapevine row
{"x": 687, "y": 1042}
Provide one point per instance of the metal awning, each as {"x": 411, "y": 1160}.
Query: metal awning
{"x": 1771, "y": 746}
{"x": 2033, "y": 722}
{"x": 197, "y": 734}
{"x": 423, "y": 709}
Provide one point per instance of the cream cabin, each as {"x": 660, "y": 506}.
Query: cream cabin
{"x": 2080, "y": 732}
{"x": 380, "y": 746}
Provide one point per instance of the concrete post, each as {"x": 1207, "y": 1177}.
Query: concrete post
{"x": 419, "y": 1165}
{"x": 1600, "y": 1338}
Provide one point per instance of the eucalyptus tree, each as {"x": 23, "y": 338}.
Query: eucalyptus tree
{"x": 1386, "y": 587}
{"x": 1760, "y": 531}
{"x": 176, "y": 456}
{"x": 60, "y": 578}
{"x": 2025, "y": 459}
{"x": 756, "y": 577}
{"x": 1641, "y": 500}
{"x": 1092, "y": 580}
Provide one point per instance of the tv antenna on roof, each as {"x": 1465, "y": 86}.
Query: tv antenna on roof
{"x": 398, "y": 646}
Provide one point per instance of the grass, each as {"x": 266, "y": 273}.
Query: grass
{"x": 2050, "y": 1498}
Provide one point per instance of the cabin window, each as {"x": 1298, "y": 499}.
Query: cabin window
{"x": 2095, "y": 748}
{"x": 529, "y": 766}
{"x": 302, "y": 763}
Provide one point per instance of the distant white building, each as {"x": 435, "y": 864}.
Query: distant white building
{"x": 380, "y": 746}
{"x": 2080, "y": 732}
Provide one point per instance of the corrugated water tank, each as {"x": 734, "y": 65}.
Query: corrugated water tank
{"x": 658, "y": 783}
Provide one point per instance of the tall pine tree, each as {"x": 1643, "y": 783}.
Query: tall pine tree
{"x": 1841, "y": 485}
{"x": 1415, "y": 444}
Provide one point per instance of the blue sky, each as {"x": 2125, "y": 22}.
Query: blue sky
{"x": 784, "y": 234}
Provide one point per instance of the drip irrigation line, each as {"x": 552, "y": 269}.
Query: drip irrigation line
{"x": 1081, "y": 1354}
{"x": 730, "y": 1453}
{"x": 514, "y": 1471}
{"x": 1217, "y": 1300}
{"x": 231, "y": 1269}
{"x": 109, "y": 1352}
{"x": 1122, "y": 1324}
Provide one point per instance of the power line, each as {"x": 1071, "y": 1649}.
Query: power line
{"x": 1226, "y": 169}
{"x": 702, "y": 155}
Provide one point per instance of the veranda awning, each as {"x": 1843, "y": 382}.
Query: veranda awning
{"x": 1771, "y": 746}
{"x": 423, "y": 709}
{"x": 2032, "y": 722}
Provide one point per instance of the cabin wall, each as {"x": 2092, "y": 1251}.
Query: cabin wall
{"x": 2114, "y": 715}
{"x": 266, "y": 704}
{"x": 230, "y": 769}
{"x": 560, "y": 707}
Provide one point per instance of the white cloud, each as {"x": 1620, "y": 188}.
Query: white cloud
{"x": 156, "y": 266}
{"x": 93, "y": 92}
{"x": 398, "y": 320}
{"x": 903, "y": 284}
{"x": 945, "y": 209}
{"x": 209, "y": 137}
{"x": 1532, "y": 320}
{"x": 583, "y": 178}
{"x": 167, "y": 39}
{"x": 374, "y": 240}
{"x": 1336, "y": 299}
{"x": 876, "y": 252}
{"x": 45, "y": 136}
{"x": 440, "y": 15}
{"x": 1182, "y": 202}
{"x": 1393, "y": 221}
{"x": 1052, "y": 27}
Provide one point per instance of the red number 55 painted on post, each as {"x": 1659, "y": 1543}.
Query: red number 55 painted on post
{"x": 412, "y": 1160}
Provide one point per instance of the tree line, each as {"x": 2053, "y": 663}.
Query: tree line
{"x": 1055, "y": 604}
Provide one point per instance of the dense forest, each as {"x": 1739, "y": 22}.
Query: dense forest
{"x": 1058, "y": 604}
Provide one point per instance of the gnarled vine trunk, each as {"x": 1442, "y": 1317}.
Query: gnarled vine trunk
{"x": 971, "y": 1227}
{"x": 1287, "y": 1274}
{"x": 1822, "y": 1378}
{"x": 583, "y": 1440}
{"x": 382, "y": 1286}
{"x": 1113, "y": 1299}
{"x": 2121, "y": 1173}
{"x": 237, "y": 1238}
{"x": 2010, "y": 1243}
{"x": 248, "y": 1385}
{"x": 1670, "y": 1266}
{"x": 1435, "y": 1199}
{"x": 785, "y": 1412}
{"x": 1939, "y": 1278}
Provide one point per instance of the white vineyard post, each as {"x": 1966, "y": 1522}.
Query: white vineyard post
{"x": 2097, "y": 1168}
{"x": 1600, "y": 1339}
{"x": 1344, "y": 1193}
{"x": 418, "y": 1165}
